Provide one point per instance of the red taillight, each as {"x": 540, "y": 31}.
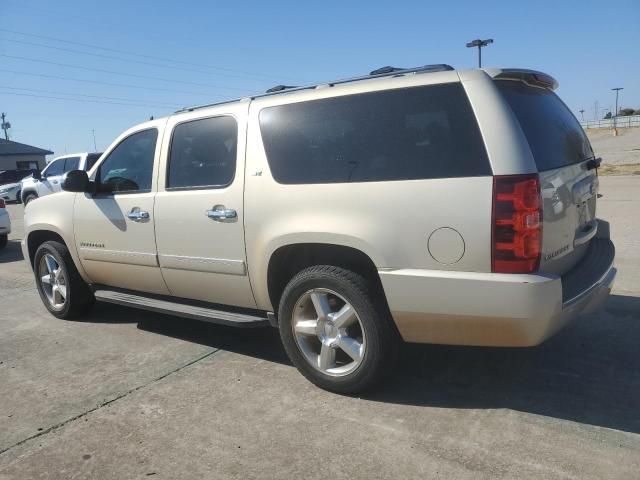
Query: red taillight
{"x": 2, "y": 204}
{"x": 517, "y": 224}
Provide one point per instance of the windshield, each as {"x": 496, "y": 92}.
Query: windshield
{"x": 555, "y": 136}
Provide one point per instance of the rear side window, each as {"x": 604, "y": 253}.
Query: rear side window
{"x": 404, "y": 134}
{"x": 8, "y": 177}
{"x": 92, "y": 158}
{"x": 71, "y": 163}
{"x": 555, "y": 137}
{"x": 203, "y": 153}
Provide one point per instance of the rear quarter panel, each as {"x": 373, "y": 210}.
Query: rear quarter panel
{"x": 389, "y": 221}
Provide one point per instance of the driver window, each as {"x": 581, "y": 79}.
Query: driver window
{"x": 129, "y": 166}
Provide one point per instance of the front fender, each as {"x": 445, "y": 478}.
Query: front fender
{"x": 52, "y": 213}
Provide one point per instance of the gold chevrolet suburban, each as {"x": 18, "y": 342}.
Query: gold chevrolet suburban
{"x": 426, "y": 205}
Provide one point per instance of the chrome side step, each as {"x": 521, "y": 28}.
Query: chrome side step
{"x": 169, "y": 307}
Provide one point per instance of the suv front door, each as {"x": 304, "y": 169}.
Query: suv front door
{"x": 199, "y": 207}
{"x": 114, "y": 228}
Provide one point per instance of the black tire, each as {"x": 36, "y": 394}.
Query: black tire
{"x": 29, "y": 197}
{"x": 19, "y": 197}
{"x": 79, "y": 298}
{"x": 375, "y": 321}
{"x": 4, "y": 239}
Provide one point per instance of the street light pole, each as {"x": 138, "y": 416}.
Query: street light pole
{"x": 479, "y": 43}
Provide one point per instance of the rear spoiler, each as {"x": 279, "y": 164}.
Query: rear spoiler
{"x": 531, "y": 77}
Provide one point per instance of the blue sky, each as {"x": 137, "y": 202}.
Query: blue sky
{"x": 190, "y": 52}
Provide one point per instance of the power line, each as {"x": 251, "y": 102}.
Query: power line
{"x": 141, "y": 55}
{"x": 99, "y": 97}
{"x": 98, "y": 82}
{"x": 130, "y": 60}
{"x": 82, "y": 100}
{"x": 111, "y": 72}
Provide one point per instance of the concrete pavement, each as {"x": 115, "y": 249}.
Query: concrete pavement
{"x": 131, "y": 394}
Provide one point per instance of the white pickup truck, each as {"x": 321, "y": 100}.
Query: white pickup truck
{"x": 49, "y": 180}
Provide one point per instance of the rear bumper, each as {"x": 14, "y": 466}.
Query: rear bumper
{"x": 490, "y": 309}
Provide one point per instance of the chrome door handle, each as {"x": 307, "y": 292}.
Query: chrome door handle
{"x": 136, "y": 214}
{"x": 220, "y": 213}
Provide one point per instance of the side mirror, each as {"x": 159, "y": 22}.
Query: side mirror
{"x": 75, "y": 181}
{"x": 37, "y": 175}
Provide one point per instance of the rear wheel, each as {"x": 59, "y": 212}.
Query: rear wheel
{"x": 335, "y": 330}
{"x": 29, "y": 198}
{"x": 60, "y": 286}
{"x": 4, "y": 239}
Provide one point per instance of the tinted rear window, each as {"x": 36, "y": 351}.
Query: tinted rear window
{"x": 405, "y": 134}
{"x": 71, "y": 163}
{"x": 203, "y": 153}
{"x": 9, "y": 177}
{"x": 92, "y": 158}
{"x": 554, "y": 135}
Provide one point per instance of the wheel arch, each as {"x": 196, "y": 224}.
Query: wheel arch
{"x": 27, "y": 191}
{"x": 38, "y": 237}
{"x": 287, "y": 260}
{"x": 39, "y": 234}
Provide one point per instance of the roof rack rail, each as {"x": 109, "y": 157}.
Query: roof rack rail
{"x": 279, "y": 88}
{"x": 380, "y": 72}
{"x": 394, "y": 71}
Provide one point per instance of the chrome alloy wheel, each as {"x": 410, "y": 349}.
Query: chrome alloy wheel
{"x": 328, "y": 332}
{"x": 53, "y": 281}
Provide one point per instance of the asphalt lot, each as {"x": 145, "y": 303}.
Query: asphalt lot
{"x": 129, "y": 394}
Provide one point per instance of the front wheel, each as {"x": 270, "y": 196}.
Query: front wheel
{"x": 60, "y": 286}
{"x": 335, "y": 330}
{"x": 30, "y": 197}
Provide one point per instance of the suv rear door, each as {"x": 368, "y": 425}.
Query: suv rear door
{"x": 199, "y": 207}
{"x": 568, "y": 179}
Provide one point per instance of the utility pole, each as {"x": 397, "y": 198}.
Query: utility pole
{"x": 615, "y": 115}
{"x": 95, "y": 149}
{"x": 479, "y": 43}
{"x": 5, "y": 126}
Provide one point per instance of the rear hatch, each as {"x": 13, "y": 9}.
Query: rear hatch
{"x": 566, "y": 166}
